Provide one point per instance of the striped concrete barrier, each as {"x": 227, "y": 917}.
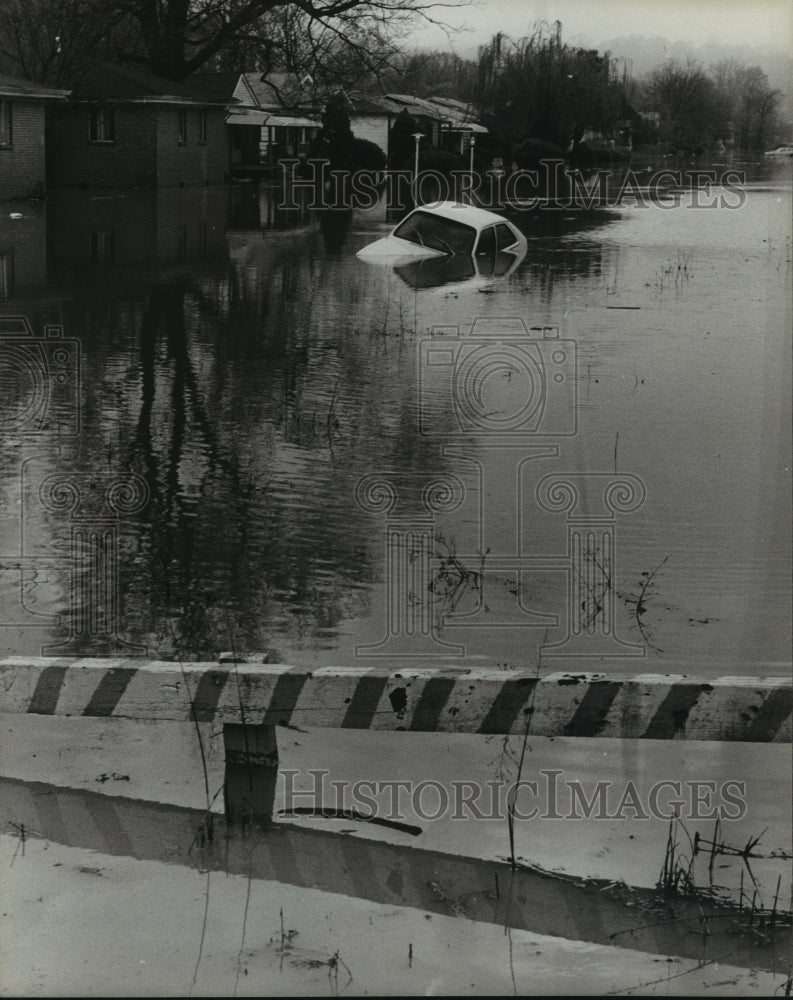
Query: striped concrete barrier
{"x": 752, "y": 709}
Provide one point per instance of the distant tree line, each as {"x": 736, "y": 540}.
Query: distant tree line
{"x": 538, "y": 93}
{"x": 698, "y": 108}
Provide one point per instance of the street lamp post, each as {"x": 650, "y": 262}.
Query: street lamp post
{"x": 471, "y": 145}
{"x": 417, "y": 136}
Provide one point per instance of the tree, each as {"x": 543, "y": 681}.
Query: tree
{"x": 692, "y": 115}
{"x": 56, "y": 41}
{"x": 542, "y": 88}
{"x": 748, "y": 102}
{"x": 432, "y": 74}
{"x": 400, "y": 139}
{"x": 174, "y": 38}
{"x": 336, "y": 135}
{"x": 341, "y": 52}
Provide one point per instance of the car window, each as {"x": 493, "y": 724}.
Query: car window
{"x": 505, "y": 237}
{"x": 502, "y": 264}
{"x": 434, "y": 271}
{"x": 437, "y": 233}
{"x": 487, "y": 242}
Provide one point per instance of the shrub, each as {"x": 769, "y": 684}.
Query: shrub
{"x": 531, "y": 152}
{"x": 367, "y": 155}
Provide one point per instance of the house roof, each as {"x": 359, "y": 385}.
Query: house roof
{"x": 246, "y": 116}
{"x": 278, "y": 91}
{"x": 12, "y": 86}
{"x": 418, "y": 106}
{"x": 250, "y": 116}
{"x": 105, "y": 82}
{"x": 456, "y": 115}
{"x": 452, "y": 104}
{"x": 220, "y": 86}
{"x": 461, "y": 116}
{"x": 364, "y": 104}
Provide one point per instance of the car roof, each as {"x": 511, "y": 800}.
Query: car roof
{"x": 457, "y": 211}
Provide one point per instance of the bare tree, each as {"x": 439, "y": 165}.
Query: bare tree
{"x": 540, "y": 87}
{"x": 351, "y": 50}
{"x": 55, "y": 41}
{"x": 748, "y": 100}
{"x": 687, "y": 100}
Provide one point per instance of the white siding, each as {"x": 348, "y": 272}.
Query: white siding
{"x": 371, "y": 127}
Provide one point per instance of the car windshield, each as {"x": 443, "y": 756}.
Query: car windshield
{"x": 436, "y": 233}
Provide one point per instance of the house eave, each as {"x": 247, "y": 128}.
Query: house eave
{"x": 59, "y": 97}
{"x": 164, "y": 100}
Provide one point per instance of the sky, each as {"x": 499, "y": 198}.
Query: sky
{"x": 729, "y": 22}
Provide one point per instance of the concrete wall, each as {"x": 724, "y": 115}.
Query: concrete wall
{"x": 22, "y": 164}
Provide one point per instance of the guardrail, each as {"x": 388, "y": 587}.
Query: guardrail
{"x": 250, "y": 699}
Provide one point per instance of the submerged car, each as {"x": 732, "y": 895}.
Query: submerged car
{"x": 781, "y": 152}
{"x": 448, "y": 229}
{"x": 450, "y": 272}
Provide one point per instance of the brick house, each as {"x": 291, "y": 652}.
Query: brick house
{"x": 244, "y": 119}
{"x": 23, "y": 118}
{"x": 123, "y": 128}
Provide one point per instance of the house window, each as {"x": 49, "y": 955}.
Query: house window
{"x": 6, "y": 275}
{"x": 5, "y": 123}
{"x": 102, "y": 125}
{"x": 103, "y": 247}
{"x": 202, "y": 125}
{"x": 181, "y": 127}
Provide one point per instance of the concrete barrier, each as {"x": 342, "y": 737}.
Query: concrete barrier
{"x": 250, "y": 700}
{"x": 648, "y": 706}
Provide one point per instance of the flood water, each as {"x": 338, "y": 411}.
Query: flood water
{"x": 252, "y": 440}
